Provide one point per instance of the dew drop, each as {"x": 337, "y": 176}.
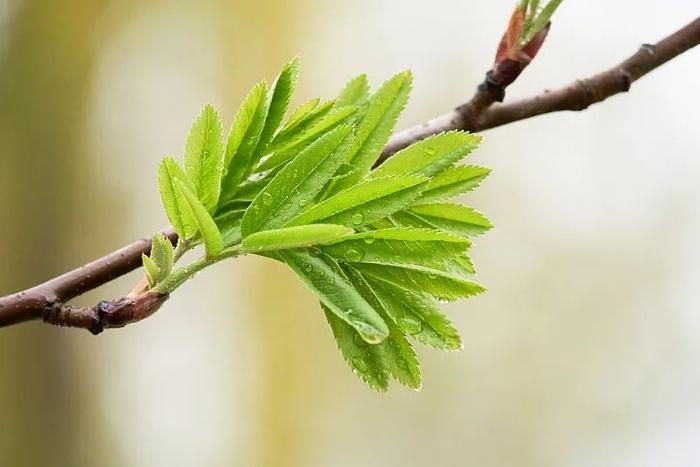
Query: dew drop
{"x": 369, "y": 240}
{"x": 358, "y": 219}
{"x": 302, "y": 203}
{"x": 267, "y": 199}
{"x": 410, "y": 325}
{"x": 358, "y": 340}
{"x": 353, "y": 255}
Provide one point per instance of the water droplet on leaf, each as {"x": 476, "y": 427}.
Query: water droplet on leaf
{"x": 353, "y": 255}
{"x": 410, "y": 325}
{"x": 358, "y": 219}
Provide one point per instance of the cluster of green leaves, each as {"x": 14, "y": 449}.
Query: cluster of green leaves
{"x": 378, "y": 247}
{"x": 536, "y": 16}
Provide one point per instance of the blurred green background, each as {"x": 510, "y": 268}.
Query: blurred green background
{"x": 584, "y": 352}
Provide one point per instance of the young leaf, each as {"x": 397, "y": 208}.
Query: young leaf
{"x": 455, "y": 218}
{"x": 153, "y": 273}
{"x": 243, "y": 140}
{"x": 452, "y": 182}
{"x": 204, "y": 157}
{"x": 296, "y": 185}
{"x": 373, "y": 131}
{"x": 303, "y": 117}
{"x": 162, "y": 253}
{"x": 542, "y": 19}
{"x": 281, "y": 94}
{"x": 355, "y": 93}
{"x": 401, "y": 360}
{"x": 174, "y": 204}
{"x": 213, "y": 242}
{"x": 294, "y": 237}
{"x": 337, "y": 294}
{"x": 366, "y": 360}
{"x": 437, "y": 283}
{"x": 417, "y": 315}
{"x": 366, "y": 202}
{"x": 284, "y": 153}
{"x": 430, "y": 156}
{"x": 301, "y": 112}
{"x": 399, "y": 246}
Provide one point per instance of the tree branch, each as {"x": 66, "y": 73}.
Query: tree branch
{"x": 48, "y": 301}
{"x": 479, "y": 114}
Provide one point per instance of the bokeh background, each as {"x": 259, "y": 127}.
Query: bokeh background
{"x": 585, "y": 351}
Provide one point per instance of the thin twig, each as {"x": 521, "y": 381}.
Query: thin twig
{"x": 48, "y": 301}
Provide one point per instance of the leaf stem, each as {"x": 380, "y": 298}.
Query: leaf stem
{"x": 180, "y": 276}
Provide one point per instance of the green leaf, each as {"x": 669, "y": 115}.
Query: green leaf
{"x": 542, "y": 19}
{"x": 153, "y": 273}
{"x": 229, "y": 224}
{"x": 365, "y": 203}
{"x": 355, "y": 93}
{"x": 296, "y": 185}
{"x": 455, "y": 218}
{"x": 417, "y": 315}
{"x": 302, "y": 112}
{"x": 373, "y": 131}
{"x": 337, "y": 294}
{"x": 281, "y": 95}
{"x": 303, "y": 117}
{"x": 304, "y": 138}
{"x": 400, "y": 359}
{"x": 430, "y": 156}
{"x": 399, "y": 246}
{"x": 213, "y": 242}
{"x": 452, "y": 182}
{"x": 243, "y": 139}
{"x": 174, "y": 204}
{"x": 162, "y": 253}
{"x": 437, "y": 283}
{"x": 204, "y": 157}
{"x": 294, "y": 237}
{"x": 365, "y": 360}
